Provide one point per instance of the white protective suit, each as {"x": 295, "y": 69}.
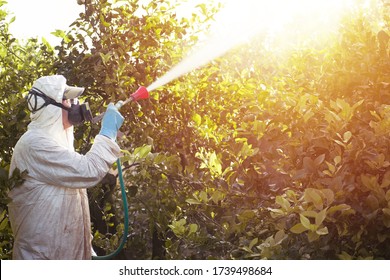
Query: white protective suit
{"x": 49, "y": 212}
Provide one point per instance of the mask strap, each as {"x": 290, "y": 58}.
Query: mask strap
{"x": 34, "y": 92}
{"x": 34, "y": 105}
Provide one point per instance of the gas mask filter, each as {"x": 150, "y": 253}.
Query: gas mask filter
{"x": 77, "y": 113}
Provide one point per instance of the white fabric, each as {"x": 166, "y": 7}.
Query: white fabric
{"x": 53, "y": 86}
{"x": 49, "y": 212}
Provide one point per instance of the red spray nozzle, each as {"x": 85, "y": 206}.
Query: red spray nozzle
{"x": 140, "y": 93}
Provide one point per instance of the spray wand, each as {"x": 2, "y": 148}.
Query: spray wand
{"x": 139, "y": 94}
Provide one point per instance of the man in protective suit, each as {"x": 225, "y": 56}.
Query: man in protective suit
{"x": 49, "y": 212}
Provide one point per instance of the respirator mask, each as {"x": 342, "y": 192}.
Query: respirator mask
{"x": 77, "y": 113}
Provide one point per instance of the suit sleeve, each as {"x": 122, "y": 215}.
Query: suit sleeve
{"x": 54, "y": 165}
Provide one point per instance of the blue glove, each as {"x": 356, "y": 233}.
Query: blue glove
{"x": 112, "y": 121}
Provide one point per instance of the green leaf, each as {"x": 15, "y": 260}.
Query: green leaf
{"x": 142, "y": 152}
{"x": 328, "y": 194}
{"x": 320, "y": 217}
{"x": 203, "y": 7}
{"x": 320, "y": 159}
{"x": 203, "y": 196}
{"x": 337, "y": 160}
{"x": 357, "y": 104}
{"x": 197, "y": 119}
{"x": 312, "y": 236}
{"x": 61, "y": 34}
{"x": 344, "y": 256}
{"x": 386, "y": 180}
{"x": 246, "y": 215}
{"x": 309, "y": 214}
{"x": 298, "y": 228}
{"x": 347, "y": 136}
{"x": 193, "y": 228}
{"x": 215, "y": 164}
{"x": 193, "y": 201}
{"x": 387, "y": 196}
{"x": 217, "y": 196}
{"x": 322, "y": 231}
{"x": 103, "y": 21}
{"x": 178, "y": 227}
{"x": 386, "y": 211}
{"x": 284, "y": 203}
{"x": 279, "y": 237}
{"x": 3, "y": 224}
{"x": 370, "y": 181}
{"x": 155, "y": 95}
{"x": 340, "y": 143}
{"x": 180, "y": 222}
{"x": 47, "y": 44}
{"x": 308, "y": 115}
{"x": 253, "y": 243}
{"x": 305, "y": 221}
{"x": 340, "y": 207}
{"x": 105, "y": 57}
{"x": 276, "y": 212}
{"x": 313, "y": 195}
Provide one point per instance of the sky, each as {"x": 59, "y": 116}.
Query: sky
{"x": 38, "y": 18}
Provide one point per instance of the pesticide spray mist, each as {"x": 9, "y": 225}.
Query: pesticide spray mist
{"x": 240, "y": 21}
{"x": 226, "y": 33}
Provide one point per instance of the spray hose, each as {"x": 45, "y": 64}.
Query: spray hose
{"x": 126, "y": 217}
{"x": 141, "y": 93}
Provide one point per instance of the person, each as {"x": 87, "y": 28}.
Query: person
{"x": 49, "y": 211}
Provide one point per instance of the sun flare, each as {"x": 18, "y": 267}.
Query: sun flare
{"x": 247, "y": 18}
{"x": 280, "y": 25}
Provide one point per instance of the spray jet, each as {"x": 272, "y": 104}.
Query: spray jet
{"x": 139, "y": 94}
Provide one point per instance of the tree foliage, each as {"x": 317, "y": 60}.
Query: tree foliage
{"x": 249, "y": 157}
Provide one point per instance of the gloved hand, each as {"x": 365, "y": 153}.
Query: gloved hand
{"x": 112, "y": 121}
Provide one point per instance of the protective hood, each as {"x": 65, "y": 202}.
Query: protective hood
{"x": 52, "y": 86}
{"x": 56, "y": 88}
{"x": 48, "y": 120}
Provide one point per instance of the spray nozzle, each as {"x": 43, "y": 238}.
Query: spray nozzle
{"x": 139, "y": 94}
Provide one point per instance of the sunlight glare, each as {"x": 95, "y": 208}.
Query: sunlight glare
{"x": 280, "y": 25}
{"x": 240, "y": 20}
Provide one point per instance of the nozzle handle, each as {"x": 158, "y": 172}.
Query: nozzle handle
{"x": 119, "y": 104}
